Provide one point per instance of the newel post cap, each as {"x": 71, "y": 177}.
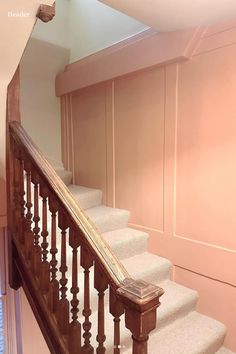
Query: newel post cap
{"x": 140, "y": 294}
{"x": 46, "y": 12}
{"x": 140, "y": 300}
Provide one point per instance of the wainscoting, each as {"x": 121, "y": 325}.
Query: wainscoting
{"x": 161, "y": 143}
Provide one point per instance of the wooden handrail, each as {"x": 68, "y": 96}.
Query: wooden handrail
{"x": 111, "y": 265}
{"x": 33, "y": 183}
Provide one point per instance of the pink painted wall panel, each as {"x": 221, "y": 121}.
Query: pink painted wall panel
{"x": 162, "y": 143}
{"x": 89, "y": 125}
{"x": 124, "y": 57}
{"x": 139, "y": 145}
{"x": 206, "y": 145}
{"x": 212, "y": 300}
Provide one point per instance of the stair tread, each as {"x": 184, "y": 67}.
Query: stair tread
{"x": 179, "y": 328}
{"x": 86, "y": 197}
{"x": 176, "y": 297}
{"x": 149, "y": 266}
{"x": 126, "y": 242}
{"x": 194, "y": 334}
{"x": 65, "y": 175}
{"x": 108, "y": 219}
{"x": 176, "y": 302}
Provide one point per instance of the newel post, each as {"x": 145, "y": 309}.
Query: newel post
{"x": 141, "y": 301}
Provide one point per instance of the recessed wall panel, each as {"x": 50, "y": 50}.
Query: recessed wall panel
{"x": 89, "y": 125}
{"x": 139, "y": 146}
{"x": 206, "y": 149}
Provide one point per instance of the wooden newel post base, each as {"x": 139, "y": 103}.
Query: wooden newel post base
{"x": 141, "y": 301}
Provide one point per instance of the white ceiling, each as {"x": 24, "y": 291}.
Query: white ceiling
{"x": 170, "y": 15}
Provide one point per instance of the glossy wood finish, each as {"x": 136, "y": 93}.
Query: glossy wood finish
{"x": 75, "y": 326}
{"x": 116, "y": 309}
{"x": 49, "y": 231}
{"x": 101, "y": 285}
{"x": 86, "y": 263}
{"x": 46, "y": 12}
{"x": 13, "y": 179}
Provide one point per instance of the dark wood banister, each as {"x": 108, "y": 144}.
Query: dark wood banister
{"x": 114, "y": 270}
{"x": 138, "y": 298}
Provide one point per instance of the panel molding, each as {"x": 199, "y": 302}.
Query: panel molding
{"x": 142, "y": 227}
{"x": 195, "y": 256}
{"x": 217, "y": 40}
{"x": 171, "y": 107}
{"x": 67, "y": 136}
{"x": 189, "y": 238}
{"x": 152, "y": 50}
{"x": 110, "y": 145}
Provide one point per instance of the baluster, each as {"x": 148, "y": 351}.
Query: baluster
{"x": 21, "y": 196}
{"x": 117, "y": 310}
{"x": 63, "y": 309}
{"x": 75, "y": 326}
{"x": 86, "y": 262}
{"x": 29, "y": 237}
{"x": 100, "y": 284}
{"x": 36, "y": 219}
{"x": 45, "y": 266}
{"x": 16, "y": 197}
{"x": 53, "y": 207}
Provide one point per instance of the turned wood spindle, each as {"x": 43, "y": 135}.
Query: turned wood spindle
{"x": 36, "y": 217}
{"x": 117, "y": 310}
{"x": 75, "y": 326}
{"x": 86, "y": 261}
{"x": 21, "y": 196}
{"x": 29, "y": 238}
{"x": 100, "y": 284}
{"x": 36, "y": 228}
{"x": 28, "y": 196}
{"x": 63, "y": 267}
{"x": 44, "y": 232}
{"x": 53, "y": 207}
{"x": 45, "y": 266}
{"x": 16, "y": 197}
{"x": 63, "y": 310}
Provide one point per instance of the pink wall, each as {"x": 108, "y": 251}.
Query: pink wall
{"x": 161, "y": 143}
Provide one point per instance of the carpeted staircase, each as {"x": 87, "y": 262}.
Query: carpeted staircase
{"x": 180, "y": 329}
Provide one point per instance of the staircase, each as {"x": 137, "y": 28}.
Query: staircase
{"x": 180, "y": 329}
{"x": 89, "y": 279}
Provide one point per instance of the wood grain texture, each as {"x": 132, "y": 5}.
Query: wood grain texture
{"x": 46, "y": 12}
{"x": 112, "y": 267}
{"x": 36, "y": 258}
